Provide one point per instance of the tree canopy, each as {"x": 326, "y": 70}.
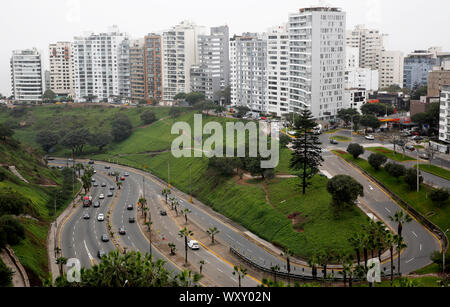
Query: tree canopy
{"x": 344, "y": 191}
{"x": 121, "y": 127}
{"x": 377, "y": 109}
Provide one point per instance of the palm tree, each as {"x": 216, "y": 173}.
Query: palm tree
{"x": 173, "y": 248}
{"x": 240, "y": 272}
{"x": 356, "y": 242}
{"x": 365, "y": 241}
{"x": 312, "y": 262}
{"x": 78, "y": 168}
{"x": 166, "y": 193}
{"x": 61, "y": 261}
{"x": 119, "y": 184}
{"x": 288, "y": 253}
{"x": 176, "y": 204}
{"x": 185, "y": 212}
{"x": 201, "y": 262}
{"x": 185, "y": 233}
{"x": 275, "y": 269}
{"x": 400, "y": 218}
{"x": 324, "y": 258}
{"x": 143, "y": 203}
{"x": 390, "y": 242}
{"x": 212, "y": 231}
{"x": 149, "y": 229}
{"x": 188, "y": 279}
{"x": 347, "y": 265}
{"x": 87, "y": 182}
{"x": 172, "y": 200}
{"x": 399, "y": 244}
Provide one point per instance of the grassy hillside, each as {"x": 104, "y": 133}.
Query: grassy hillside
{"x": 31, "y": 251}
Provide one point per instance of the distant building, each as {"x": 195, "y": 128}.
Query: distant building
{"x": 153, "y": 68}
{"x": 355, "y": 98}
{"x": 422, "y": 105}
{"x": 27, "y": 82}
{"x": 47, "y": 81}
{"x": 277, "y": 91}
{"x": 416, "y": 68}
{"x": 101, "y": 67}
{"x": 61, "y": 70}
{"x": 363, "y": 78}
{"x": 317, "y": 61}
{"x": 137, "y": 70}
{"x": 436, "y": 79}
{"x": 391, "y": 69}
{"x": 444, "y": 121}
{"x": 248, "y": 58}
{"x": 396, "y": 100}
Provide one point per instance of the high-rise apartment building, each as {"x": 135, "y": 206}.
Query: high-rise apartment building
{"x": 317, "y": 61}
{"x": 248, "y": 57}
{"x": 213, "y": 72}
{"x": 277, "y": 91}
{"x": 444, "y": 121}
{"x": 179, "y": 54}
{"x": 391, "y": 69}
{"x": 370, "y": 43}
{"x": 416, "y": 68}
{"x": 101, "y": 66}
{"x": 61, "y": 75}
{"x": 26, "y": 75}
{"x": 153, "y": 68}
{"x": 137, "y": 70}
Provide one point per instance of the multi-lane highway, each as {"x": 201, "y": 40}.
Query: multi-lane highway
{"x": 82, "y": 238}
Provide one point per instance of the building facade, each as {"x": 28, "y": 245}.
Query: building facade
{"x": 179, "y": 54}
{"x": 444, "y": 120}
{"x": 391, "y": 69}
{"x": 137, "y": 70}
{"x": 61, "y": 72}
{"x": 26, "y": 75}
{"x": 416, "y": 68}
{"x": 277, "y": 91}
{"x": 248, "y": 57}
{"x": 370, "y": 43}
{"x": 153, "y": 68}
{"x": 317, "y": 61}
{"x": 214, "y": 63}
{"x": 101, "y": 67}
{"x": 364, "y": 78}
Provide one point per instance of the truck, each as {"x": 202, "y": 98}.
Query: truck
{"x": 87, "y": 201}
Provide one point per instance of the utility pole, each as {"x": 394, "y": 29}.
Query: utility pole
{"x": 168, "y": 172}
{"x": 190, "y": 180}
{"x": 418, "y": 187}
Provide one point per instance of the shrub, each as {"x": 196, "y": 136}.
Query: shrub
{"x": 395, "y": 170}
{"x": 13, "y": 229}
{"x": 411, "y": 178}
{"x": 439, "y": 196}
{"x": 355, "y": 150}
{"x": 148, "y": 117}
{"x": 377, "y": 160}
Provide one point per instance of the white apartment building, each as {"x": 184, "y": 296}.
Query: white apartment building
{"x": 355, "y": 98}
{"x": 179, "y": 54}
{"x": 363, "y": 78}
{"x": 248, "y": 59}
{"x": 317, "y": 61}
{"x": 60, "y": 56}
{"x": 391, "y": 69}
{"x": 101, "y": 68}
{"x": 444, "y": 121}
{"x": 277, "y": 91}
{"x": 26, "y": 75}
{"x": 351, "y": 57}
{"x": 213, "y": 72}
{"x": 370, "y": 43}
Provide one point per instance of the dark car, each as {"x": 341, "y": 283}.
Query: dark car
{"x": 129, "y": 207}
{"x": 91, "y": 162}
{"x": 334, "y": 142}
{"x": 105, "y": 238}
{"x": 163, "y": 212}
{"x": 132, "y": 219}
{"x": 95, "y": 184}
{"x": 112, "y": 188}
{"x": 97, "y": 204}
{"x": 93, "y": 180}
{"x": 103, "y": 184}
{"x": 107, "y": 167}
{"x": 101, "y": 253}
{"x": 110, "y": 194}
{"x": 122, "y": 230}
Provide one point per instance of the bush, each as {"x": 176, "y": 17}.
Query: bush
{"x": 395, "y": 170}
{"x": 344, "y": 191}
{"x": 355, "y": 150}
{"x": 12, "y": 203}
{"x": 411, "y": 178}
{"x": 174, "y": 112}
{"x": 377, "y": 160}
{"x": 436, "y": 257}
{"x": 439, "y": 196}
{"x": 6, "y": 275}
{"x": 13, "y": 230}
{"x": 148, "y": 117}
{"x": 284, "y": 140}
{"x": 121, "y": 127}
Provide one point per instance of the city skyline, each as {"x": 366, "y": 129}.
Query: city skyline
{"x": 75, "y": 17}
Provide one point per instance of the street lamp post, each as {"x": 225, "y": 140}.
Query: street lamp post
{"x": 418, "y": 187}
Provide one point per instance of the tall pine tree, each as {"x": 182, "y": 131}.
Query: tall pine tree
{"x": 307, "y": 156}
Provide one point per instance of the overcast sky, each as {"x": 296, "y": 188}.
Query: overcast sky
{"x": 411, "y": 24}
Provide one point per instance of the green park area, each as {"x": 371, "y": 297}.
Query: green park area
{"x": 390, "y": 154}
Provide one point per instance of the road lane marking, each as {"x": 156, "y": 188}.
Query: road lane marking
{"x": 409, "y": 260}
{"x": 414, "y": 234}
{"x": 420, "y": 247}
{"x": 388, "y": 210}
{"x": 89, "y": 254}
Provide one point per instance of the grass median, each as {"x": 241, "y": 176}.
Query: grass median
{"x": 435, "y": 170}
{"x": 390, "y": 154}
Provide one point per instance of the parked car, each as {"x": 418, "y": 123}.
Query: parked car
{"x": 131, "y": 219}
{"x": 424, "y": 156}
{"x": 100, "y": 217}
{"x": 91, "y": 162}
{"x": 417, "y": 138}
{"x": 410, "y": 148}
{"x": 193, "y": 245}
{"x": 105, "y": 238}
{"x": 370, "y": 137}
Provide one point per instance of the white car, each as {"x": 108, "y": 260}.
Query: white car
{"x": 193, "y": 245}
{"x": 102, "y": 196}
{"x": 101, "y": 217}
{"x": 370, "y": 137}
